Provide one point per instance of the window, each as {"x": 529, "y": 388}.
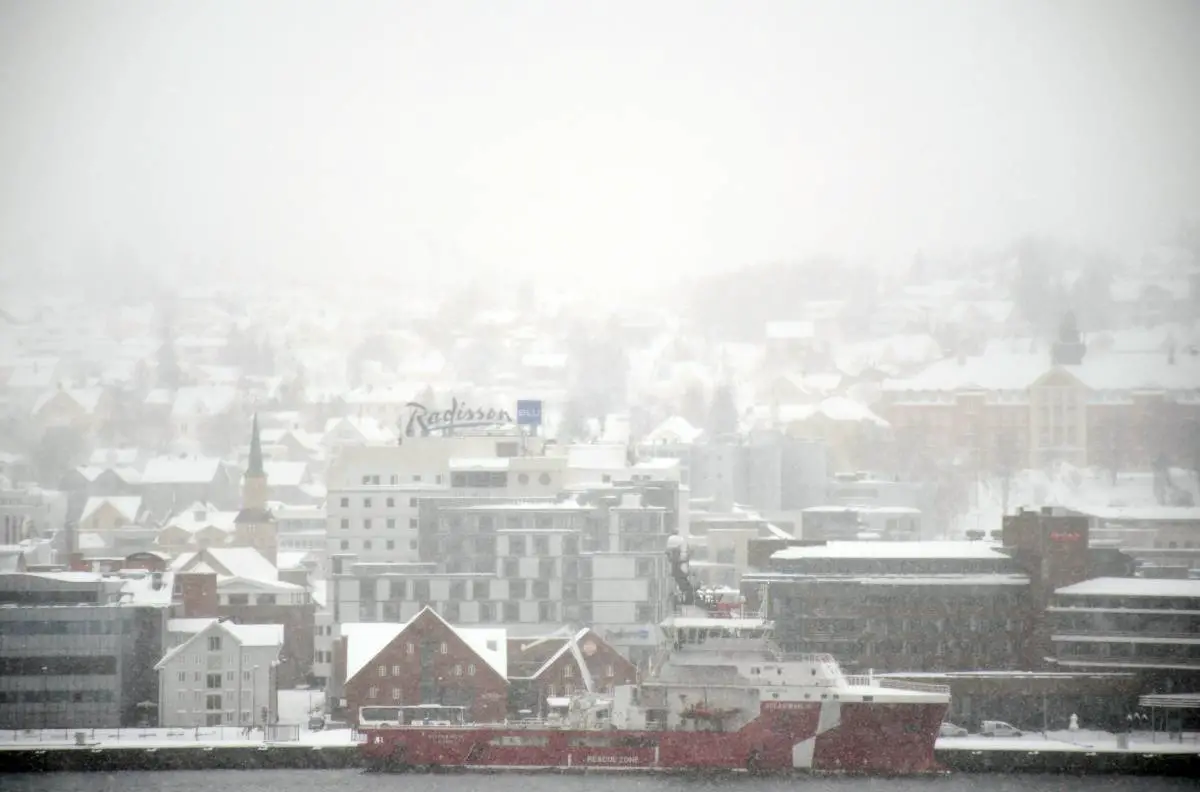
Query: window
{"x": 544, "y": 479}
{"x": 412, "y": 502}
{"x": 382, "y": 671}
{"x": 239, "y": 599}
{"x": 458, "y": 669}
{"x": 522, "y": 478}
{"x": 541, "y": 545}
{"x": 391, "y": 503}
{"x": 228, "y": 676}
{"x": 373, "y": 692}
{"x": 391, "y": 545}
{"x": 409, "y": 648}
{"x": 366, "y": 544}
{"x": 444, "y": 649}
{"x": 395, "y": 694}
{"x": 471, "y": 669}
{"x": 391, "y": 522}
{"x": 345, "y": 523}
{"x": 214, "y": 682}
{"x": 516, "y": 545}
{"x": 516, "y": 589}
{"x": 412, "y": 522}
{"x": 395, "y": 670}
{"x": 479, "y": 589}
{"x": 213, "y": 702}
{"x": 345, "y": 503}
{"x": 214, "y": 643}
{"x": 367, "y": 523}
{"x": 344, "y": 544}
{"x": 183, "y": 676}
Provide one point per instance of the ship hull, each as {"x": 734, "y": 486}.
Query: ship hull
{"x": 856, "y": 738}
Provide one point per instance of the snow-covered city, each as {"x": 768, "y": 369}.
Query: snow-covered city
{"x": 598, "y": 389}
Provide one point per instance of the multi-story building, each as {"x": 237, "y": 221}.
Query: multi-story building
{"x": 77, "y": 649}
{"x": 898, "y": 606}
{"x": 1151, "y": 626}
{"x": 1015, "y": 407}
{"x": 597, "y": 563}
{"x": 223, "y": 674}
{"x": 375, "y": 491}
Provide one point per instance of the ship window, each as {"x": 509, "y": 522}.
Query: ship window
{"x": 868, "y": 698}
{"x": 835, "y": 696}
{"x": 812, "y": 671}
{"x": 824, "y": 695}
{"x": 590, "y": 742}
{"x": 755, "y": 670}
{"x": 779, "y": 672}
{"x": 808, "y": 695}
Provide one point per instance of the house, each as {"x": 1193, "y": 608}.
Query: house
{"x": 106, "y": 513}
{"x": 561, "y": 665}
{"x": 206, "y": 414}
{"x": 199, "y": 526}
{"x": 82, "y": 409}
{"x": 356, "y": 431}
{"x": 241, "y": 584}
{"x": 224, "y": 674}
{"x": 170, "y": 481}
{"x": 424, "y": 661}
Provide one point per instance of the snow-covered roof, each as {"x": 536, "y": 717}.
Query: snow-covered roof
{"x": 364, "y": 640}
{"x": 180, "y": 470}
{"x": 1133, "y": 587}
{"x": 675, "y": 429}
{"x": 244, "y": 634}
{"x": 890, "y": 550}
{"x": 256, "y": 634}
{"x": 109, "y": 457}
{"x": 490, "y": 643}
{"x": 189, "y": 626}
{"x": 285, "y": 474}
{"x": 236, "y": 562}
{"x": 127, "y": 506}
{"x": 790, "y": 330}
{"x": 87, "y": 398}
{"x": 203, "y": 400}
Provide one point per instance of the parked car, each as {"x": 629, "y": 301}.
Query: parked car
{"x": 316, "y": 723}
{"x": 999, "y": 729}
{"x": 950, "y": 730}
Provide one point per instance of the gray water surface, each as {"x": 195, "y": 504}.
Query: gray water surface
{"x": 356, "y": 781}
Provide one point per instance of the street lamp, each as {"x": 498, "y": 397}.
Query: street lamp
{"x": 254, "y": 695}
{"x": 45, "y": 698}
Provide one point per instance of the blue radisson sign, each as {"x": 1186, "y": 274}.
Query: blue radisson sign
{"x": 529, "y": 412}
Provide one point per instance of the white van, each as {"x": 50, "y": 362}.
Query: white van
{"x": 999, "y": 729}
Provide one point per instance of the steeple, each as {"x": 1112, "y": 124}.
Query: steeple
{"x": 254, "y": 526}
{"x": 255, "y": 468}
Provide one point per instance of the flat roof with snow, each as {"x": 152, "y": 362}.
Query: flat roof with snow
{"x": 1133, "y": 587}
{"x": 897, "y": 550}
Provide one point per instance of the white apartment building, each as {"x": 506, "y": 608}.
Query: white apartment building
{"x": 547, "y": 563}
{"x": 223, "y": 675}
{"x": 374, "y": 491}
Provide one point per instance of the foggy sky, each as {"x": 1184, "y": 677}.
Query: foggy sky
{"x": 552, "y": 138}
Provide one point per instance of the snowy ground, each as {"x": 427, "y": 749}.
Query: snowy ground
{"x": 1083, "y": 741}
{"x": 295, "y": 707}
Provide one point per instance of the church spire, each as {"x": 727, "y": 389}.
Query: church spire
{"x": 255, "y": 468}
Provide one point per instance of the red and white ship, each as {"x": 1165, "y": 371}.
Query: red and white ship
{"x": 721, "y": 696}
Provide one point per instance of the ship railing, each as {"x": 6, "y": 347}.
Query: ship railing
{"x": 870, "y": 680}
